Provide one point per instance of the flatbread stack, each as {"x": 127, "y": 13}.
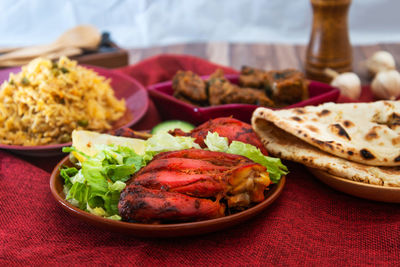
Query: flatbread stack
{"x": 357, "y": 141}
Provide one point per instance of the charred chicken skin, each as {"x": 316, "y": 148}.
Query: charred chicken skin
{"x": 192, "y": 185}
{"x": 231, "y": 128}
{"x": 127, "y": 132}
{"x": 140, "y": 204}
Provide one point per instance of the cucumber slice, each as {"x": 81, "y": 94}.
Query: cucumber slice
{"x": 165, "y": 126}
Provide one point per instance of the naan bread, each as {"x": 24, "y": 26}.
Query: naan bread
{"x": 368, "y": 133}
{"x": 286, "y": 146}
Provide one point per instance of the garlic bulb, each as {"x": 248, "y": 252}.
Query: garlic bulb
{"x": 348, "y": 83}
{"x": 380, "y": 61}
{"x": 386, "y": 85}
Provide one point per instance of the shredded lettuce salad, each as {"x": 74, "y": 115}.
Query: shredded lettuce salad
{"x": 96, "y": 186}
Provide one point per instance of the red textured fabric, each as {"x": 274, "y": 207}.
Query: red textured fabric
{"x": 309, "y": 224}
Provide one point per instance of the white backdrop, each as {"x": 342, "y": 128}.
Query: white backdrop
{"x": 143, "y": 23}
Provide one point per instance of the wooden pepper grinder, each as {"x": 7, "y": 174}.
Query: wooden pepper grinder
{"x": 329, "y": 45}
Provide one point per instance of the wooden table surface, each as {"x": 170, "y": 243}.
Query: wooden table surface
{"x": 266, "y": 56}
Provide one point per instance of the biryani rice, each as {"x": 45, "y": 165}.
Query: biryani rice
{"x": 46, "y": 101}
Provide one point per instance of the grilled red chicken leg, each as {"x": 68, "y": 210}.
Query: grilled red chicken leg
{"x": 148, "y": 205}
{"x": 231, "y": 128}
{"x": 190, "y": 175}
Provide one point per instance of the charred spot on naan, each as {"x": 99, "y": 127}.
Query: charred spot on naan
{"x": 366, "y": 154}
{"x": 323, "y": 143}
{"x": 348, "y": 124}
{"x": 372, "y": 134}
{"x": 312, "y": 128}
{"x": 295, "y": 118}
{"x": 393, "y": 120}
{"x": 396, "y": 141}
{"x": 323, "y": 112}
{"x": 299, "y": 111}
{"x": 338, "y": 130}
{"x": 388, "y": 104}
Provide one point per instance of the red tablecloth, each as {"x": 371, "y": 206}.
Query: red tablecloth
{"x": 310, "y": 223}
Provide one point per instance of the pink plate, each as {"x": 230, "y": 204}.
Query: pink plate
{"x": 133, "y": 92}
{"x": 172, "y": 108}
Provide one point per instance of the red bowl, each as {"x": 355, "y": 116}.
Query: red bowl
{"x": 172, "y": 108}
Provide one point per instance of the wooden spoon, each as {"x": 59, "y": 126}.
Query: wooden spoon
{"x": 8, "y": 49}
{"x": 68, "y": 52}
{"x": 83, "y": 36}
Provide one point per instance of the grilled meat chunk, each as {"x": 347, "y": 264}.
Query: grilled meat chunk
{"x": 287, "y": 86}
{"x": 252, "y": 77}
{"x": 284, "y": 87}
{"x": 174, "y": 185}
{"x": 228, "y": 127}
{"x": 189, "y": 86}
{"x": 141, "y": 204}
{"x": 256, "y": 86}
{"x": 221, "y": 91}
{"x": 194, "y": 172}
{"x": 227, "y": 93}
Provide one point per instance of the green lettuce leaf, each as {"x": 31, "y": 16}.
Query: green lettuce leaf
{"x": 214, "y": 142}
{"x": 78, "y": 192}
{"x": 165, "y": 142}
{"x": 66, "y": 173}
{"x": 97, "y": 186}
{"x": 274, "y": 165}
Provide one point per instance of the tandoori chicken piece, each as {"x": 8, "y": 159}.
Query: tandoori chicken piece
{"x": 194, "y": 172}
{"x": 216, "y": 158}
{"x": 141, "y": 204}
{"x": 127, "y": 132}
{"x": 233, "y": 129}
{"x": 199, "y": 185}
{"x": 188, "y": 175}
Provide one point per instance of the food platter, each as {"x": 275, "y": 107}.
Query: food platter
{"x": 159, "y": 230}
{"x": 172, "y": 108}
{"x": 358, "y": 189}
{"x": 136, "y": 99}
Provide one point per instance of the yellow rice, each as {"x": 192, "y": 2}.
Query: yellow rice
{"x": 46, "y": 101}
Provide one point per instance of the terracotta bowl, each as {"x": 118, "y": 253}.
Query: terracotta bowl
{"x": 158, "y": 230}
{"x": 359, "y": 189}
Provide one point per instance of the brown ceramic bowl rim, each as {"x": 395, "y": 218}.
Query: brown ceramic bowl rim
{"x": 380, "y": 193}
{"x": 161, "y": 229}
{"x": 382, "y": 187}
